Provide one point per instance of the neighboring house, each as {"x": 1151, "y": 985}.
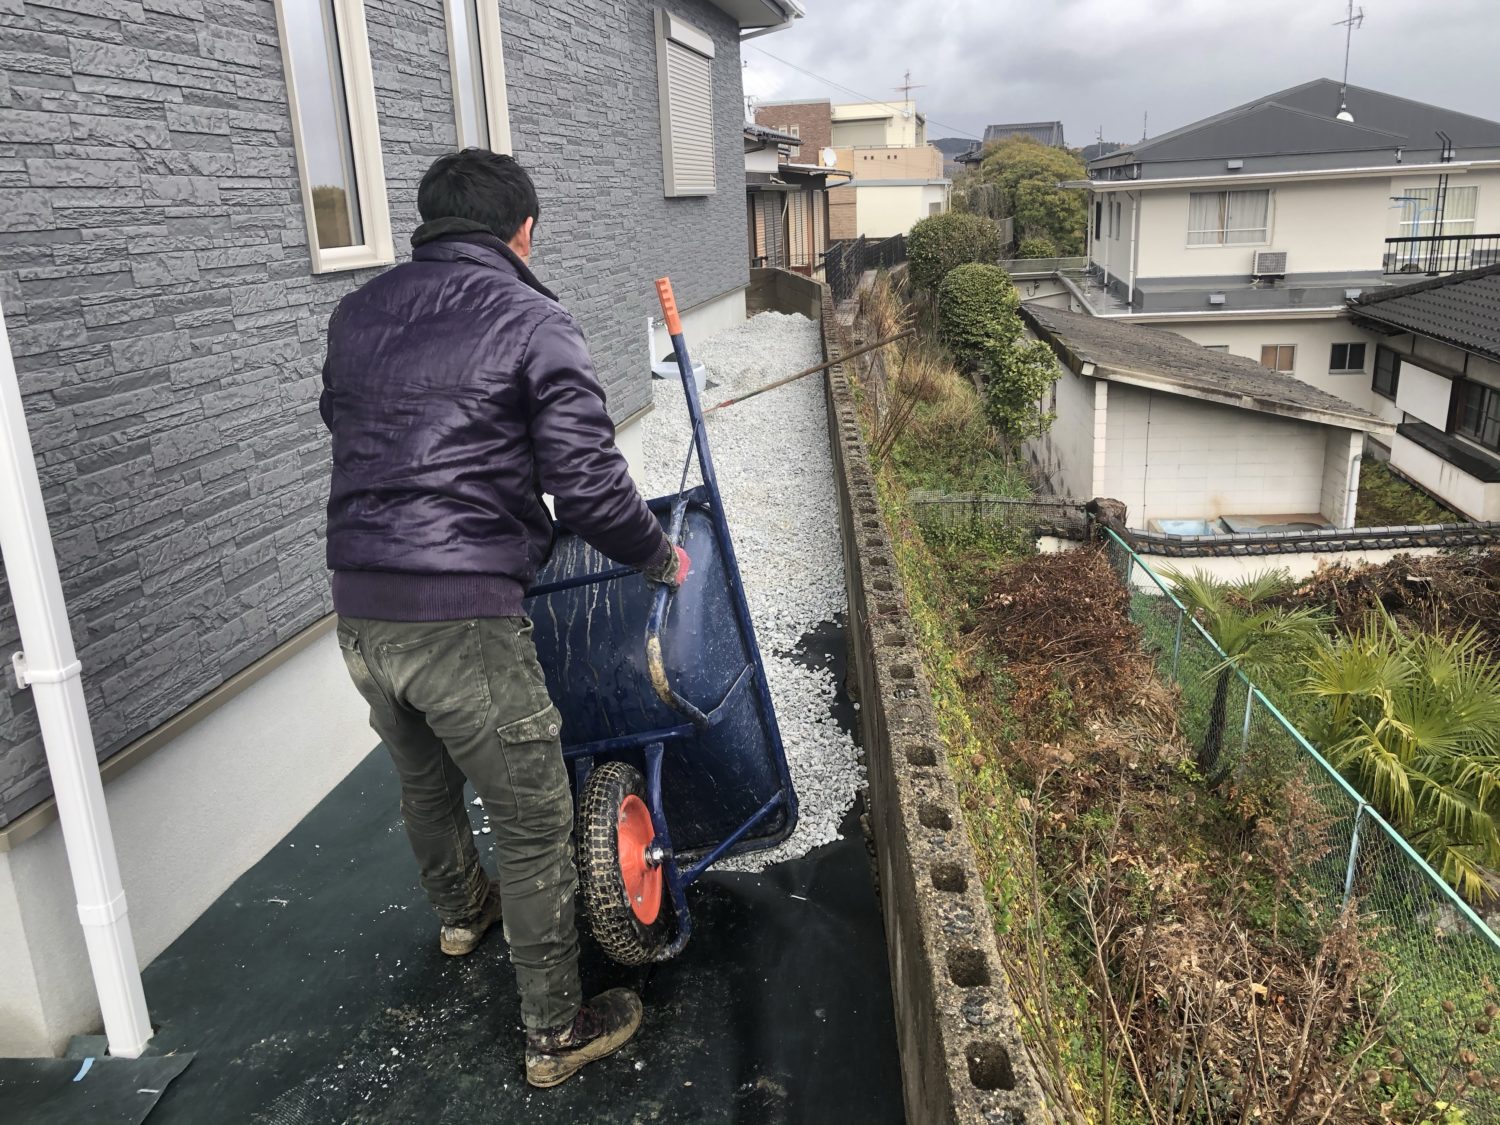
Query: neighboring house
{"x": 1250, "y": 229}
{"x": 1193, "y": 441}
{"x": 898, "y": 176}
{"x": 786, "y": 203}
{"x": 893, "y": 187}
{"x": 1098, "y": 149}
{"x": 952, "y": 148}
{"x": 1437, "y": 376}
{"x": 189, "y": 190}
{"x": 1044, "y": 132}
{"x": 810, "y": 122}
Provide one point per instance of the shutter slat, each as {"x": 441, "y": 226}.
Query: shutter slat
{"x": 690, "y": 118}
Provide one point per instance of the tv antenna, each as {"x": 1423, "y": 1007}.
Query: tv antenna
{"x": 907, "y": 86}
{"x": 1355, "y": 18}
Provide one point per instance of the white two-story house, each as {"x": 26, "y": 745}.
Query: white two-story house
{"x": 1249, "y": 231}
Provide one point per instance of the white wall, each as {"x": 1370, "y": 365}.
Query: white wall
{"x": 1456, "y": 488}
{"x": 881, "y": 211}
{"x": 1314, "y": 340}
{"x": 1325, "y": 226}
{"x": 1228, "y": 568}
{"x": 187, "y": 822}
{"x": 763, "y": 160}
{"x": 1169, "y": 457}
{"x": 1339, "y": 470}
{"x": 1111, "y": 249}
{"x": 1066, "y": 453}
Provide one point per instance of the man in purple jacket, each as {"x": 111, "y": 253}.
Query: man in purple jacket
{"x": 457, "y": 392}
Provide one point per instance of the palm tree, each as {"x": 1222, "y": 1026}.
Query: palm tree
{"x": 1258, "y": 639}
{"x": 1413, "y": 721}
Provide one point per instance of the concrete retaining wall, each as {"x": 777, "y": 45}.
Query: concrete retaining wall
{"x": 777, "y": 290}
{"x": 961, "y": 1055}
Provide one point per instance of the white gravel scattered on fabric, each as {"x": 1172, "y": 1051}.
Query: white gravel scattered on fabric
{"x": 776, "y": 475}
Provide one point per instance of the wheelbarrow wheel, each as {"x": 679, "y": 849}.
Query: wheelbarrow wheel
{"x": 624, "y": 895}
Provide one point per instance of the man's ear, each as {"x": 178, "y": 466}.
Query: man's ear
{"x": 520, "y": 242}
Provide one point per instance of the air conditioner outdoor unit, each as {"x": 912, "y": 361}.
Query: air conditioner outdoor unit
{"x": 1268, "y": 263}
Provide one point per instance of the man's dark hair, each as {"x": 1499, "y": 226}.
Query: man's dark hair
{"x": 481, "y": 186}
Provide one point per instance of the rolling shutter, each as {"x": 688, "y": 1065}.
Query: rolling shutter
{"x": 685, "y": 76}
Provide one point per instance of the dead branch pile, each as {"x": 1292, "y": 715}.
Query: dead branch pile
{"x": 1063, "y": 621}
{"x": 1446, "y": 593}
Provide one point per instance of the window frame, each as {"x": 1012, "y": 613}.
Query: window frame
{"x": 672, "y": 30}
{"x": 1488, "y": 413}
{"x": 491, "y": 72}
{"x": 1224, "y": 210}
{"x": 1382, "y": 350}
{"x": 1364, "y": 354}
{"x": 366, "y": 159}
{"x": 1419, "y": 227}
{"x": 1279, "y": 348}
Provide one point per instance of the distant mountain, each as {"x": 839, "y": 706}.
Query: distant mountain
{"x": 952, "y": 146}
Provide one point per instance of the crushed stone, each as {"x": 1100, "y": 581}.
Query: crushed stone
{"x": 776, "y": 475}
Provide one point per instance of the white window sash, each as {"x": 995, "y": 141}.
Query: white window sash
{"x": 364, "y": 141}
{"x": 1459, "y": 211}
{"x": 1229, "y": 218}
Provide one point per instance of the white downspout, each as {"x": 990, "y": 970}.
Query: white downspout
{"x": 49, "y": 666}
{"x": 1351, "y": 492}
{"x": 1135, "y": 232}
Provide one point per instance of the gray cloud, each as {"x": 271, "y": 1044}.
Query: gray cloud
{"x": 1095, "y": 63}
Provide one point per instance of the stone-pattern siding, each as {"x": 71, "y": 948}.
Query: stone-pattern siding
{"x": 168, "y": 330}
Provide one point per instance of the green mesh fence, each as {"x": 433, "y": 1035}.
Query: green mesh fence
{"x": 1443, "y": 961}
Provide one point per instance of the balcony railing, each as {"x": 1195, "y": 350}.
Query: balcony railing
{"x": 1439, "y": 254}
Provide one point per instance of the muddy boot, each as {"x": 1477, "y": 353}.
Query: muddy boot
{"x": 455, "y": 941}
{"x": 603, "y": 1025}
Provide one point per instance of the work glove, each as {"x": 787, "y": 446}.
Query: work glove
{"x": 672, "y": 571}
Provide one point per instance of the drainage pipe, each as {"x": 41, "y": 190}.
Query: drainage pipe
{"x": 49, "y": 666}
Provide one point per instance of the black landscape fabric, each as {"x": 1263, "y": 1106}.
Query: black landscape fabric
{"x": 100, "y": 1091}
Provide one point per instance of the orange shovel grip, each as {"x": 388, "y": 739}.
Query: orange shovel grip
{"x": 669, "y": 306}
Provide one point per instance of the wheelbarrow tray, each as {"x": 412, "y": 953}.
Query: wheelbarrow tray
{"x": 721, "y": 780}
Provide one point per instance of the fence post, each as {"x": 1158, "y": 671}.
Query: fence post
{"x": 1177, "y": 644}
{"x": 1359, "y": 817}
{"x": 1245, "y": 729}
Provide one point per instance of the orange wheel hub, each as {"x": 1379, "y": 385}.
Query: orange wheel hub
{"x": 642, "y": 879}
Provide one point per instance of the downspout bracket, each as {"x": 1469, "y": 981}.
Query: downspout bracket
{"x": 18, "y": 666}
{"x": 27, "y": 675}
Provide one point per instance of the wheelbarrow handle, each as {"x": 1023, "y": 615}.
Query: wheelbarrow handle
{"x": 655, "y": 660}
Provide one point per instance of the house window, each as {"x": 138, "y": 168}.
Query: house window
{"x": 1279, "y": 357}
{"x": 1228, "y": 218}
{"x": 326, "y": 59}
{"x": 478, "y": 67}
{"x": 1476, "y": 413}
{"x": 1419, "y": 211}
{"x": 1387, "y": 373}
{"x": 1099, "y": 219}
{"x": 795, "y": 130}
{"x": 1346, "y": 357}
{"x": 684, "y": 73}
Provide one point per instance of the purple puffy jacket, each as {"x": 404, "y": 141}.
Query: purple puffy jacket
{"x": 457, "y": 391}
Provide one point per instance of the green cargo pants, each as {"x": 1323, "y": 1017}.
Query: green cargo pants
{"x": 466, "y": 699}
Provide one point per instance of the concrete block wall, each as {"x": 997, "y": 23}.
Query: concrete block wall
{"x": 962, "y": 1059}
{"x": 1174, "y": 457}
{"x": 168, "y": 330}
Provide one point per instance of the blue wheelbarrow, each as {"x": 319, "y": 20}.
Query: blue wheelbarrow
{"x": 668, "y": 728}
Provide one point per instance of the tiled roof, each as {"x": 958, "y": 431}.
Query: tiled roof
{"x": 1462, "y": 309}
{"x": 1302, "y": 120}
{"x": 1048, "y": 132}
{"x": 1173, "y": 364}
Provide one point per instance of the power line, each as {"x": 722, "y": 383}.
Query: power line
{"x": 857, "y": 94}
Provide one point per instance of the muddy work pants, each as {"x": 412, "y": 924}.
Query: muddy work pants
{"x": 466, "y": 699}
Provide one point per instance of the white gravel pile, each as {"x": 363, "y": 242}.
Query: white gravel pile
{"x": 776, "y": 475}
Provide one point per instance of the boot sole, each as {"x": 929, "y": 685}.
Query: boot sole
{"x": 600, "y": 1048}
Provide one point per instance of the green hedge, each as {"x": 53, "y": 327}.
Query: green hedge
{"x": 977, "y": 313}
{"x": 940, "y": 242}
{"x": 1037, "y": 247}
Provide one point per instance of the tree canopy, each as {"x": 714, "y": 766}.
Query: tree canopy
{"x": 1028, "y": 172}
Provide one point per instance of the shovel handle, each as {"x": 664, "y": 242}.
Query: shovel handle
{"x": 668, "y": 306}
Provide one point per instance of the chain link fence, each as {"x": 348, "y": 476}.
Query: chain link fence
{"x": 1443, "y": 960}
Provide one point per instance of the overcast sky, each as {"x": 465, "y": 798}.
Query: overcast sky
{"x": 1092, "y": 63}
